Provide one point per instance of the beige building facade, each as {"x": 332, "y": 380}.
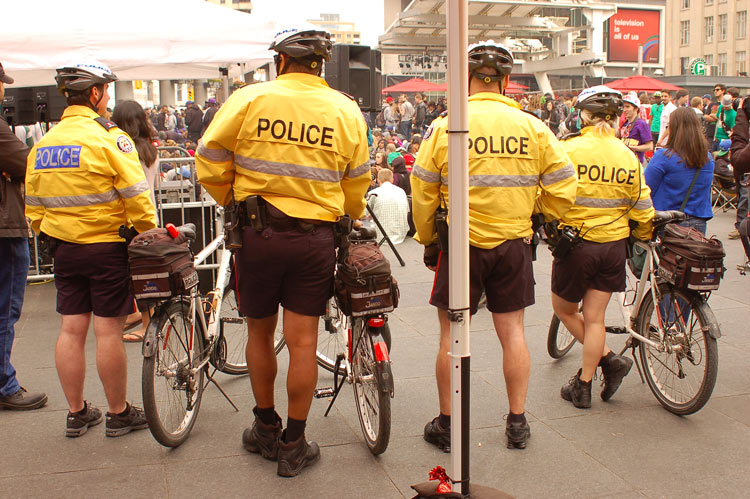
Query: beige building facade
{"x": 713, "y": 30}
{"x": 241, "y": 5}
{"x": 341, "y": 31}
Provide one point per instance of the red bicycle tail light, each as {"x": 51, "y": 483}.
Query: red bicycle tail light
{"x": 376, "y": 322}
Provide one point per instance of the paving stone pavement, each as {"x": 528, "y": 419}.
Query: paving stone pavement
{"x": 628, "y": 447}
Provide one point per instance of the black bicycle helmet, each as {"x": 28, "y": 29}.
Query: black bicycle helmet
{"x": 81, "y": 76}
{"x": 490, "y": 54}
{"x": 303, "y": 41}
{"x": 600, "y": 101}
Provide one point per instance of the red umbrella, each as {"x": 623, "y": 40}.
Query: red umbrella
{"x": 641, "y": 82}
{"x": 412, "y": 85}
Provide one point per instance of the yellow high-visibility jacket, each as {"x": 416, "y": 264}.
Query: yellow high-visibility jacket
{"x": 516, "y": 168}
{"x": 610, "y": 183}
{"x": 84, "y": 180}
{"x": 296, "y": 142}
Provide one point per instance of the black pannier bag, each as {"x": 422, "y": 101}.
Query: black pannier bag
{"x": 689, "y": 260}
{"x": 160, "y": 266}
{"x": 363, "y": 283}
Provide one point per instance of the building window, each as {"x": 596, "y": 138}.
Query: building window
{"x": 684, "y": 4}
{"x": 684, "y": 62}
{"x": 708, "y": 28}
{"x": 741, "y": 64}
{"x": 722, "y": 27}
{"x": 684, "y": 32}
{"x": 722, "y": 65}
{"x": 742, "y": 24}
{"x": 709, "y": 2}
{"x": 709, "y": 59}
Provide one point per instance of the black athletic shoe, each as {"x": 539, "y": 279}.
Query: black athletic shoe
{"x": 263, "y": 439}
{"x": 614, "y": 371}
{"x": 295, "y": 456}
{"x": 437, "y": 435}
{"x": 518, "y": 434}
{"x": 78, "y": 424}
{"x": 577, "y": 391}
{"x": 118, "y": 425}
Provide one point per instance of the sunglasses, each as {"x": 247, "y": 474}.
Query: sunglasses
{"x": 717, "y": 90}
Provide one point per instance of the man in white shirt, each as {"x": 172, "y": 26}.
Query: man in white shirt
{"x": 666, "y": 99}
{"x": 407, "y": 114}
{"x": 390, "y": 205}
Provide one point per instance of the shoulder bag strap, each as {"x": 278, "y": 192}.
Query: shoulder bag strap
{"x": 692, "y": 184}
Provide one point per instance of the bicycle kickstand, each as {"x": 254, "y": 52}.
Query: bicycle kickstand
{"x": 632, "y": 345}
{"x": 332, "y": 391}
{"x": 226, "y": 396}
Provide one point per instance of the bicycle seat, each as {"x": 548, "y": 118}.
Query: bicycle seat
{"x": 187, "y": 230}
{"x": 363, "y": 234}
{"x": 662, "y": 218}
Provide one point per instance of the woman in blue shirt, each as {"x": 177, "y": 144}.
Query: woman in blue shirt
{"x": 672, "y": 169}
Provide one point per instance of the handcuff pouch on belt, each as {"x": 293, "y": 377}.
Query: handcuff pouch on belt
{"x": 256, "y": 212}
{"x": 441, "y": 225}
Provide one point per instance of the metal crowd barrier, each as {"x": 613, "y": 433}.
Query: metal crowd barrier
{"x": 178, "y": 201}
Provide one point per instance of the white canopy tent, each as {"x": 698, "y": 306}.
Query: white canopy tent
{"x": 138, "y": 39}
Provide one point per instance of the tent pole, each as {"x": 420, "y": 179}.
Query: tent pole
{"x": 458, "y": 254}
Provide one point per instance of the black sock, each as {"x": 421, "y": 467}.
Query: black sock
{"x": 126, "y": 411}
{"x": 444, "y": 421}
{"x": 516, "y": 418}
{"x": 295, "y": 428}
{"x": 83, "y": 411}
{"x": 266, "y": 415}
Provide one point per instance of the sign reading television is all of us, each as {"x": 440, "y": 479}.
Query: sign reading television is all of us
{"x": 628, "y": 29}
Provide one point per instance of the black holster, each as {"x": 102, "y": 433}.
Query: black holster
{"x": 341, "y": 231}
{"x": 441, "y": 228}
{"x": 233, "y": 228}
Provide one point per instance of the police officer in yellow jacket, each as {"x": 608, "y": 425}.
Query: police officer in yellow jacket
{"x": 611, "y": 191}
{"x": 516, "y": 168}
{"x": 293, "y": 152}
{"x": 83, "y": 182}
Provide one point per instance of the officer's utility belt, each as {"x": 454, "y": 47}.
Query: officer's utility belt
{"x": 259, "y": 214}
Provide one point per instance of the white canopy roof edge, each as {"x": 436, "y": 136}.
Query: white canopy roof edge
{"x": 143, "y": 39}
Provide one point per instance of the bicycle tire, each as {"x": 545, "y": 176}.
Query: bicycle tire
{"x": 332, "y": 337}
{"x": 694, "y": 338}
{"x": 163, "y": 393}
{"x": 559, "y": 339}
{"x": 236, "y": 335}
{"x": 373, "y": 404}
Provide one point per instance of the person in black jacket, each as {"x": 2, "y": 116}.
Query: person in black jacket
{"x": 740, "y": 159}
{"x": 212, "y": 106}
{"x": 193, "y": 121}
{"x": 14, "y": 253}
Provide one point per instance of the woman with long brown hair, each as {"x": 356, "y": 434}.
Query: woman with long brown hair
{"x": 680, "y": 175}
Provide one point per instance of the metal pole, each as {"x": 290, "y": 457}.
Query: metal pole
{"x": 457, "y": 17}
{"x": 640, "y": 60}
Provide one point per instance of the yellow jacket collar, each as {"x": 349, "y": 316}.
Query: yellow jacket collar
{"x": 496, "y": 97}
{"x": 303, "y": 78}
{"x": 592, "y": 130}
{"x": 79, "y": 111}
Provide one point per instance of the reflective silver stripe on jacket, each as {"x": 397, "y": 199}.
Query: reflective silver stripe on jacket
{"x": 73, "y": 201}
{"x": 424, "y": 175}
{"x": 559, "y": 175}
{"x": 612, "y": 203}
{"x": 216, "y": 155}
{"x": 288, "y": 169}
{"x": 503, "y": 180}
{"x": 133, "y": 190}
{"x": 359, "y": 171}
{"x": 644, "y": 204}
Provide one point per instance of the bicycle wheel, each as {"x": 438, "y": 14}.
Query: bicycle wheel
{"x": 373, "y": 404}
{"x": 332, "y": 335}
{"x": 235, "y": 332}
{"x": 681, "y": 373}
{"x": 171, "y": 393}
{"x": 559, "y": 339}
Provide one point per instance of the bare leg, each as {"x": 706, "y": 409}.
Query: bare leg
{"x": 569, "y": 315}
{"x": 516, "y": 361}
{"x": 111, "y": 361}
{"x": 301, "y": 333}
{"x": 443, "y": 364}
{"x": 70, "y": 358}
{"x": 261, "y": 359}
{"x": 594, "y": 306}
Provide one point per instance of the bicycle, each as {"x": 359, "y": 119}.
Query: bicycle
{"x": 677, "y": 346}
{"x": 356, "y": 352}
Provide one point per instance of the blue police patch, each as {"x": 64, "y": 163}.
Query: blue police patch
{"x": 57, "y": 157}
{"x": 428, "y": 133}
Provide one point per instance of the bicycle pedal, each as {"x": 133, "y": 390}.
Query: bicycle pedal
{"x": 233, "y": 320}
{"x": 322, "y": 393}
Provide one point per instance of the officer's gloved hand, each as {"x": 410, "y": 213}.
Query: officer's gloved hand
{"x": 431, "y": 254}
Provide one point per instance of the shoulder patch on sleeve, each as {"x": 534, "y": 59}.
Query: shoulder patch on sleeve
{"x": 444, "y": 114}
{"x": 124, "y": 144}
{"x": 571, "y": 135}
{"x": 107, "y": 124}
{"x": 428, "y": 133}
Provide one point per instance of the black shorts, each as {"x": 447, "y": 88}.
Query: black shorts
{"x": 504, "y": 273}
{"x": 590, "y": 266}
{"x": 93, "y": 278}
{"x": 290, "y": 268}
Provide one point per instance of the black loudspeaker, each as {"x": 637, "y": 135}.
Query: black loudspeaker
{"x": 26, "y": 106}
{"x": 355, "y": 69}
